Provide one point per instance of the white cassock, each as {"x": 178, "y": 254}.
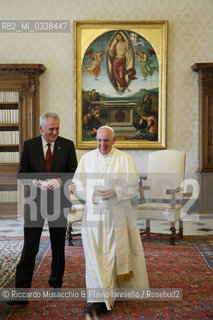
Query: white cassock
{"x": 113, "y": 249}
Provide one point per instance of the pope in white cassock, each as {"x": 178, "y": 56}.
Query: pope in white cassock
{"x": 106, "y": 178}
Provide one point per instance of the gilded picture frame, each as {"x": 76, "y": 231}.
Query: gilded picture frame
{"x": 121, "y": 81}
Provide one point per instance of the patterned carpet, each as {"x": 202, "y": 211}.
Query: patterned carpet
{"x": 188, "y": 265}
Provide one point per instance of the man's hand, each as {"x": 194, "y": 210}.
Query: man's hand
{"x": 38, "y": 184}
{"x": 104, "y": 195}
{"x": 48, "y": 184}
{"x": 54, "y": 184}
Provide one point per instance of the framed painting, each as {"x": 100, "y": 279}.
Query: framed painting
{"x": 121, "y": 81}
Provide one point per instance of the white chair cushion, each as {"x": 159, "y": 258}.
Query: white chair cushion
{"x": 158, "y": 211}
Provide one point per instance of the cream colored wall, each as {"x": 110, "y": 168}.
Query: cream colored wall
{"x": 190, "y": 41}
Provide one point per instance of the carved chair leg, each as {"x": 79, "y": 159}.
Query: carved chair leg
{"x": 69, "y": 236}
{"x": 173, "y": 233}
{"x": 181, "y": 229}
{"x": 148, "y": 227}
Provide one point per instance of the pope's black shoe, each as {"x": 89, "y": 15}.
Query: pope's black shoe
{"x": 97, "y": 307}
{"x": 17, "y": 302}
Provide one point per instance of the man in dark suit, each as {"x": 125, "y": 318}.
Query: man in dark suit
{"x": 46, "y": 163}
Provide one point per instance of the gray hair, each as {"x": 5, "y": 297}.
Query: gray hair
{"x": 44, "y": 116}
{"x": 107, "y": 127}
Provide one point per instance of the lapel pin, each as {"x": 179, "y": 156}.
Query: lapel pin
{"x": 59, "y": 148}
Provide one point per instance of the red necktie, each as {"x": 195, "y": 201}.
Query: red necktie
{"x": 48, "y": 158}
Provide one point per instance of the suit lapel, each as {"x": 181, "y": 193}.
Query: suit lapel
{"x": 40, "y": 152}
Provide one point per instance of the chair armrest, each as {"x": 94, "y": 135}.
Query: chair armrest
{"x": 187, "y": 194}
{"x": 74, "y": 195}
{"x": 141, "y": 180}
{"x": 173, "y": 192}
{"x": 77, "y": 207}
{"x": 142, "y": 188}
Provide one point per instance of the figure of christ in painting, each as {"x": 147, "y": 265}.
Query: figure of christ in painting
{"x": 118, "y": 57}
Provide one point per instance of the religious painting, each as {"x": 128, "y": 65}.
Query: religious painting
{"x": 121, "y": 70}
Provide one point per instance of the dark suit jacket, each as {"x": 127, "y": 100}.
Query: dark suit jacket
{"x": 32, "y": 166}
{"x": 32, "y": 156}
